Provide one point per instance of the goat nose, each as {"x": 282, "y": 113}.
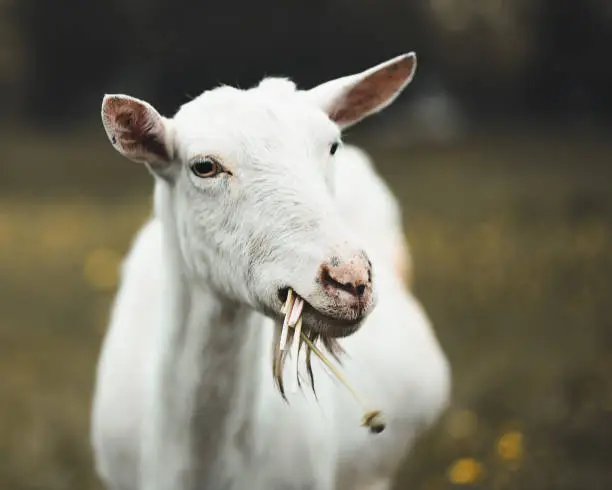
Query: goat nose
{"x": 353, "y": 276}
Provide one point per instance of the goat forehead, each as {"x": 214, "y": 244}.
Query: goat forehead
{"x": 257, "y": 118}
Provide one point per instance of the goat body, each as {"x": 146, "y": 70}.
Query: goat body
{"x": 184, "y": 396}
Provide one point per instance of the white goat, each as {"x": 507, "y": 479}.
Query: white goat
{"x": 250, "y": 199}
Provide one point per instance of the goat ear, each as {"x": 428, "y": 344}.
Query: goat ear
{"x": 350, "y": 99}
{"x": 136, "y": 129}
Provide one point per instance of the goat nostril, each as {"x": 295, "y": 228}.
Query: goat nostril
{"x": 329, "y": 280}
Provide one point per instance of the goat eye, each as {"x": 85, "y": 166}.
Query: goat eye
{"x": 206, "y": 167}
{"x": 334, "y": 148}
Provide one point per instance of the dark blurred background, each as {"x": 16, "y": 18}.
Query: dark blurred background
{"x": 500, "y": 152}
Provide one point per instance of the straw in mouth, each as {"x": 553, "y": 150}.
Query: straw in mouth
{"x": 292, "y": 338}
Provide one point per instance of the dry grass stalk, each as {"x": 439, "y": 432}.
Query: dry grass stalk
{"x": 293, "y": 337}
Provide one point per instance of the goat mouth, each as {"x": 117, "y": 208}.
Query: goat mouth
{"x": 324, "y": 323}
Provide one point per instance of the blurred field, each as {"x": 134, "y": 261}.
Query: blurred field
{"x": 511, "y": 237}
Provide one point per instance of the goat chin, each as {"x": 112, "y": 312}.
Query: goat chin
{"x": 328, "y": 326}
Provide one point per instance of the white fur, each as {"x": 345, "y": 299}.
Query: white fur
{"x": 184, "y": 396}
{"x": 367, "y": 202}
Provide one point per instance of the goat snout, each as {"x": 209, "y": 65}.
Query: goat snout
{"x": 348, "y": 278}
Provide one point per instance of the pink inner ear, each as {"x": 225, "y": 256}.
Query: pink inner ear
{"x": 134, "y": 128}
{"x": 373, "y": 92}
